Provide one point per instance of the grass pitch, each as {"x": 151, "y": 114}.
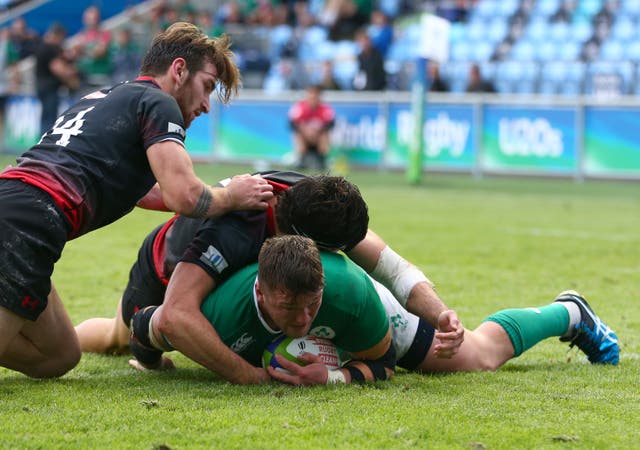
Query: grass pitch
{"x": 488, "y": 244}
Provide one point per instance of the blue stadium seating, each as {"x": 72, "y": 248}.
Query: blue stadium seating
{"x": 624, "y": 29}
{"x": 612, "y": 75}
{"x": 545, "y": 8}
{"x": 562, "y": 78}
{"x": 612, "y": 50}
{"x": 516, "y": 77}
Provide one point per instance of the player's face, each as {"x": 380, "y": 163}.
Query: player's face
{"x": 292, "y": 315}
{"x": 193, "y": 96}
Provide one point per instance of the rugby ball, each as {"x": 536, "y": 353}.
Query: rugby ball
{"x": 292, "y": 348}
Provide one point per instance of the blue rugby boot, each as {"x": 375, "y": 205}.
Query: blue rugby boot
{"x": 591, "y": 334}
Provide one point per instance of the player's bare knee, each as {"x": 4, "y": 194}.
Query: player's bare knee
{"x": 55, "y": 366}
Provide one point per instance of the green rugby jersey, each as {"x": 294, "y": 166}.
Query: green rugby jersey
{"x": 351, "y": 314}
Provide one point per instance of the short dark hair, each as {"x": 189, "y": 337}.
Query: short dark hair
{"x": 185, "y": 40}
{"x": 328, "y": 209}
{"x": 290, "y": 263}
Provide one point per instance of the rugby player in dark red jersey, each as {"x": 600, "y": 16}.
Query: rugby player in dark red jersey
{"x": 183, "y": 260}
{"x": 114, "y": 149}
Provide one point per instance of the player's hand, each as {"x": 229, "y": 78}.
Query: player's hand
{"x": 450, "y": 333}
{"x": 248, "y": 192}
{"x": 315, "y": 372}
{"x": 164, "y": 364}
{"x": 260, "y": 376}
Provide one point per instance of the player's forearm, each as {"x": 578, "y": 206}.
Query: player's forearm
{"x": 197, "y": 339}
{"x": 425, "y": 302}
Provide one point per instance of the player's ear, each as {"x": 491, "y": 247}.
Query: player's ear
{"x": 179, "y": 71}
{"x": 259, "y": 293}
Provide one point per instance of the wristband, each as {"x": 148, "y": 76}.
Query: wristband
{"x": 336, "y": 376}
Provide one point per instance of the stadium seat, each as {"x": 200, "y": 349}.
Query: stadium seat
{"x": 547, "y": 50}
{"x": 506, "y": 8}
{"x": 587, "y": 8}
{"x": 545, "y": 8}
{"x": 461, "y": 51}
{"x": 456, "y": 73}
{"x": 612, "y": 50}
{"x": 559, "y": 32}
{"x": 569, "y": 50}
{"x": 562, "y": 78}
{"x": 630, "y": 9}
{"x": 476, "y": 29}
{"x": 523, "y": 50}
{"x": 516, "y": 76}
{"x": 537, "y": 30}
{"x": 497, "y": 30}
{"x": 624, "y": 29}
{"x": 400, "y": 51}
{"x": 457, "y": 32}
{"x": 609, "y": 77}
{"x": 632, "y": 51}
{"x": 482, "y": 51}
{"x": 311, "y": 39}
{"x": 278, "y": 38}
{"x": 581, "y": 30}
{"x": 344, "y": 72}
{"x": 485, "y": 9}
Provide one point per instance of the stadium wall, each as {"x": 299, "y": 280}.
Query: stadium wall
{"x": 483, "y": 134}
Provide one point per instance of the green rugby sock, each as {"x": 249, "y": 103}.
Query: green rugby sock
{"x": 528, "y": 326}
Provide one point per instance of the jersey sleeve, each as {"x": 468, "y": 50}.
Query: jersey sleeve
{"x": 368, "y": 327}
{"x": 223, "y": 245}
{"x": 351, "y": 306}
{"x": 160, "y": 118}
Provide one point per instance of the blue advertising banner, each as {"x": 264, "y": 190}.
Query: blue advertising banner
{"x": 252, "y": 131}
{"x": 611, "y": 141}
{"x": 199, "y": 140}
{"x": 529, "y": 139}
{"x": 449, "y": 136}
{"x": 360, "y": 132}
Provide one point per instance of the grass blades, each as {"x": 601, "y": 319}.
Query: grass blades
{"x": 488, "y": 244}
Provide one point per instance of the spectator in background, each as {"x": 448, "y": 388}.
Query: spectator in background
{"x": 436, "y": 83}
{"x": 54, "y": 69}
{"x": 344, "y": 17}
{"x": 327, "y": 81}
{"x": 477, "y": 83}
{"x": 25, "y": 41}
{"x": 371, "y": 75}
{"x": 283, "y": 76}
{"x": 204, "y": 20}
{"x": 380, "y": 32}
{"x": 126, "y": 56}
{"x": 230, "y": 13}
{"x": 170, "y": 15}
{"x": 311, "y": 119}
{"x": 453, "y": 10}
{"x": 92, "y": 49}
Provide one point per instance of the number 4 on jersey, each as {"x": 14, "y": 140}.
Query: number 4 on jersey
{"x": 71, "y": 127}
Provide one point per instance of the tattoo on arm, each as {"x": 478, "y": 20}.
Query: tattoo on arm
{"x": 204, "y": 203}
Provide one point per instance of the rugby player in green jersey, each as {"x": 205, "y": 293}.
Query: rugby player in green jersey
{"x": 288, "y": 293}
{"x": 297, "y": 291}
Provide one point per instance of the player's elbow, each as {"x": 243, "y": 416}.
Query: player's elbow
{"x": 168, "y": 324}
